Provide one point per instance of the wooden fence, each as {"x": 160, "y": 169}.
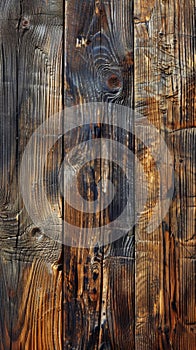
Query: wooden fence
{"x": 137, "y": 292}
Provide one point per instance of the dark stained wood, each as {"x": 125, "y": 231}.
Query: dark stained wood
{"x": 93, "y": 313}
{"x": 106, "y": 303}
{"x": 137, "y": 292}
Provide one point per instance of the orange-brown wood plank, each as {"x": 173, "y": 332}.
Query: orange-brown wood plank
{"x": 165, "y": 93}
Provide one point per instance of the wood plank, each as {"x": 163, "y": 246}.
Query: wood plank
{"x": 31, "y": 56}
{"x": 99, "y": 45}
{"x": 165, "y": 94}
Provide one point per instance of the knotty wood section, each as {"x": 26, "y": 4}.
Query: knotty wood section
{"x": 99, "y": 282}
{"x": 138, "y": 292}
{"x": 31, "y": 85}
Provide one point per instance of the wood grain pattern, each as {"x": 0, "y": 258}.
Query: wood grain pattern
{"x": 99, "y": 54}
{"x": 165, "y": 93}
{"x": 31, "y": 80}
{"x": 139, "y": 291}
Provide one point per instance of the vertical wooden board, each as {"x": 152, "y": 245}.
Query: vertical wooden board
{"x": 30, "y": 92}
{"x": 165, "y": 94}
{"x": 99, "y": 67}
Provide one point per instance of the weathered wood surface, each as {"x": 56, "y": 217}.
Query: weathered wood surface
{"x": 165, "y": 93}
{"x": 138, "y": 292}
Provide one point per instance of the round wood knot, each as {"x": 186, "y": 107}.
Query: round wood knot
{"x": 35, "y": 232}
{"x": 25, "y": 23}
{"x": 114, "y": 82}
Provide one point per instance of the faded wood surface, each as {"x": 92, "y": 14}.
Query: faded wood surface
{"x": 165, "y": 93}
{"x": 138, "y": 292}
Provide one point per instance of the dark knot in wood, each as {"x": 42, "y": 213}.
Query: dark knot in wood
{"x": 114, "y": 82}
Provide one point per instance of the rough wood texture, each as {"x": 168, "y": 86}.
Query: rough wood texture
{"x": 165, "y": 93}
{"x": 138, "y": 292}
{"x": 31, "y": 80}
